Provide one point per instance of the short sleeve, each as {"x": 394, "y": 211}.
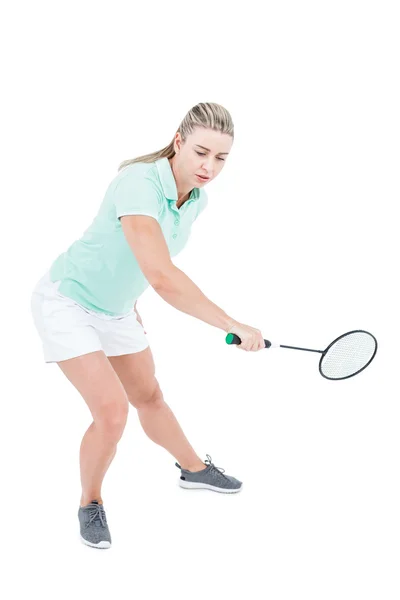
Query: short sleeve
{"x": 203, "y": 201}
{"x": 136, "y": 195}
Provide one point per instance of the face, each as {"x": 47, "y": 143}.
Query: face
{"x": 204, "y": 153}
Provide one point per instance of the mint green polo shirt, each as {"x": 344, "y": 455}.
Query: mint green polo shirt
{"x": 99, "y": 270}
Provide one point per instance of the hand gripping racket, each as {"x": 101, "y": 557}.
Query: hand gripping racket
{"x": 346, "y": 356}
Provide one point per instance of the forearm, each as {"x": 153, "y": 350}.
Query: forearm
{"x": 178, "y": 289}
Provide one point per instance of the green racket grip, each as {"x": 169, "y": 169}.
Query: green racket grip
{"x": 232, "y": 338}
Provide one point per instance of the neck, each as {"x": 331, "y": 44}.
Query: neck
{"x": 183, "y": 189}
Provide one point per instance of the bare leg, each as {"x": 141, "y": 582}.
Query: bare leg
{"x": 162, "y": 427}
{"x": 95, "y": 456}
{"x": 96, "y": 381}
{"x": 137, "y": 374}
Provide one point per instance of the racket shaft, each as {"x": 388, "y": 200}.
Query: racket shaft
{"x": 296, "y": 348}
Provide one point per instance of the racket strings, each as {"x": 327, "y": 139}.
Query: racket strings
{"x": 348, "y": 355}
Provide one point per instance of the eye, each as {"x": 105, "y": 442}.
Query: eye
{"x": 203, "y": 154}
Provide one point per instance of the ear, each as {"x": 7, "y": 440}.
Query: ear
{"x": 178, "y": 142}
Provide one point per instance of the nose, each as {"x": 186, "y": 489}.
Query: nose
{"x": 207, "y": 167}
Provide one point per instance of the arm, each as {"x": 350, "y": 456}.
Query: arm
{"x": 145, "y": 237}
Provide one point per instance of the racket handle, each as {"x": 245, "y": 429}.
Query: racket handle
{"x": 232, "y": 338}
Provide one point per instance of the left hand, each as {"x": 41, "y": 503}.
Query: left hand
{"x": 139, "y": 318}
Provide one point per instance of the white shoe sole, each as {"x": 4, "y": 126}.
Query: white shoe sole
{"x": 104, "y": 544}
{"x": 191, "y": 485}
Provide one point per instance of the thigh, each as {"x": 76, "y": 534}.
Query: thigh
{"x": 137, "y": 374}
{"x": 97, "y": 382}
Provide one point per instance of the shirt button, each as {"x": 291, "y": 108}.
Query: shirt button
{"x": 174, "y": 236}
{"x": 176, "y": 222}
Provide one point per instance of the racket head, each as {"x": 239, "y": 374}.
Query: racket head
{"x": 348, "y": 355}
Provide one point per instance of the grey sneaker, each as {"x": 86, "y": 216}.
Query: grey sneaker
{"x": 93, "y": 525}
{"x": 210, "y": 478}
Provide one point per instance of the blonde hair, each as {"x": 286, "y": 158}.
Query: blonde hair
{"x": 208, "y": 115}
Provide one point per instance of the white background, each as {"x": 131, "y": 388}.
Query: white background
{"x": 300, "y": 239}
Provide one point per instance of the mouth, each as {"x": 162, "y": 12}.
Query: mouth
{"x": 202, "y": 178}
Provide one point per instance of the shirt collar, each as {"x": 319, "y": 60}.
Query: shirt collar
{"x": 168, "y": 183}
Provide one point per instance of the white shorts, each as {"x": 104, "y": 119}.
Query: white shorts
{"x": 68, "y": 329}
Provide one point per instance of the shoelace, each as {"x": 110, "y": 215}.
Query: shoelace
{"x": 97, "y": 512}
{"x": 209, "y": 462}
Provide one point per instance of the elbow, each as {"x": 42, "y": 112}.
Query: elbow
{"x": 162, "y": 281}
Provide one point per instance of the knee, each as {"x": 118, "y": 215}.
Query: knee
{"x": 150, "y": 395}
{"x": 112, "y": 419}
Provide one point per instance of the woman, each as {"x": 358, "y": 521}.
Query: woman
{"x": 82, "y": 306}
